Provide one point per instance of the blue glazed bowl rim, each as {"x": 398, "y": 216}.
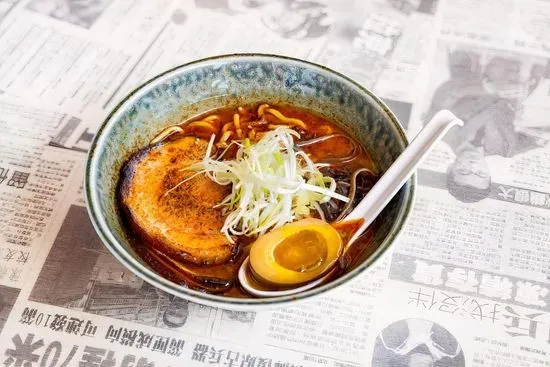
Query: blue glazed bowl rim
{"x": 246, "y": 304}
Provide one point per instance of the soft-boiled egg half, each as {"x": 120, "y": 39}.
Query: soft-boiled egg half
{"x": 295, "y": 253}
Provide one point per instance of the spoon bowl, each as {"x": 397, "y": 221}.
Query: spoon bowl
{"x": 249, "y": 286}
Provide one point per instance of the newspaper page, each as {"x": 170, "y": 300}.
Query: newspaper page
{"x": 467, "y": 283}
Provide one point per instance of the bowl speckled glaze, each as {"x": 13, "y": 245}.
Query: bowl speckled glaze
{"x": 231, "y": 80}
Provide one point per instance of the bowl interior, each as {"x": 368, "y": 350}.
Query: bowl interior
{"x": 231, "y": 81}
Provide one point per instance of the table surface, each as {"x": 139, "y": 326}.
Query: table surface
{"x": 467, "y": 283}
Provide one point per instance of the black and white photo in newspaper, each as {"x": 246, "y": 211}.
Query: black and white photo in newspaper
{"x": 505, "y": 143}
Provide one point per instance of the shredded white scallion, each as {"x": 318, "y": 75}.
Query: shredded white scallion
{"x": 273, "y": 183}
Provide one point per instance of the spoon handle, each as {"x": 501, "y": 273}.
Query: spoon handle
{"x": 400, "y": 171}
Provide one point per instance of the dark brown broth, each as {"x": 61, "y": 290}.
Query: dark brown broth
{"x": 214, "y": 279}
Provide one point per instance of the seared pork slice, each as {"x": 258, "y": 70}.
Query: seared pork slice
{"x": 177, "y": 219}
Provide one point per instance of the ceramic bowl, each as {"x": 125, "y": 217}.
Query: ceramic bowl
{"x": 231, "y": 80}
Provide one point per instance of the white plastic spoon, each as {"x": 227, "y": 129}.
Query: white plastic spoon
{"x": 378, "y": 197}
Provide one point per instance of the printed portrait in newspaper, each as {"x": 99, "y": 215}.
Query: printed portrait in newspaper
{"x": 417, "y": 343}
{"x": 492, "y": 92}
{"x": 79, "y": 12}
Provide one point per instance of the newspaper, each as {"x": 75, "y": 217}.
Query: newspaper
{"x": 468, "y": 282}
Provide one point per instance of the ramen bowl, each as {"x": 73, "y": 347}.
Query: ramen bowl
{"x": 232, "y": 80}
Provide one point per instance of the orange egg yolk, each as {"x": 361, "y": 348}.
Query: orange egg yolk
{"x": 302, "y": 251}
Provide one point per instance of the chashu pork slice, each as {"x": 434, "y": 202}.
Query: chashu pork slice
{"x": 180, "y": 222}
